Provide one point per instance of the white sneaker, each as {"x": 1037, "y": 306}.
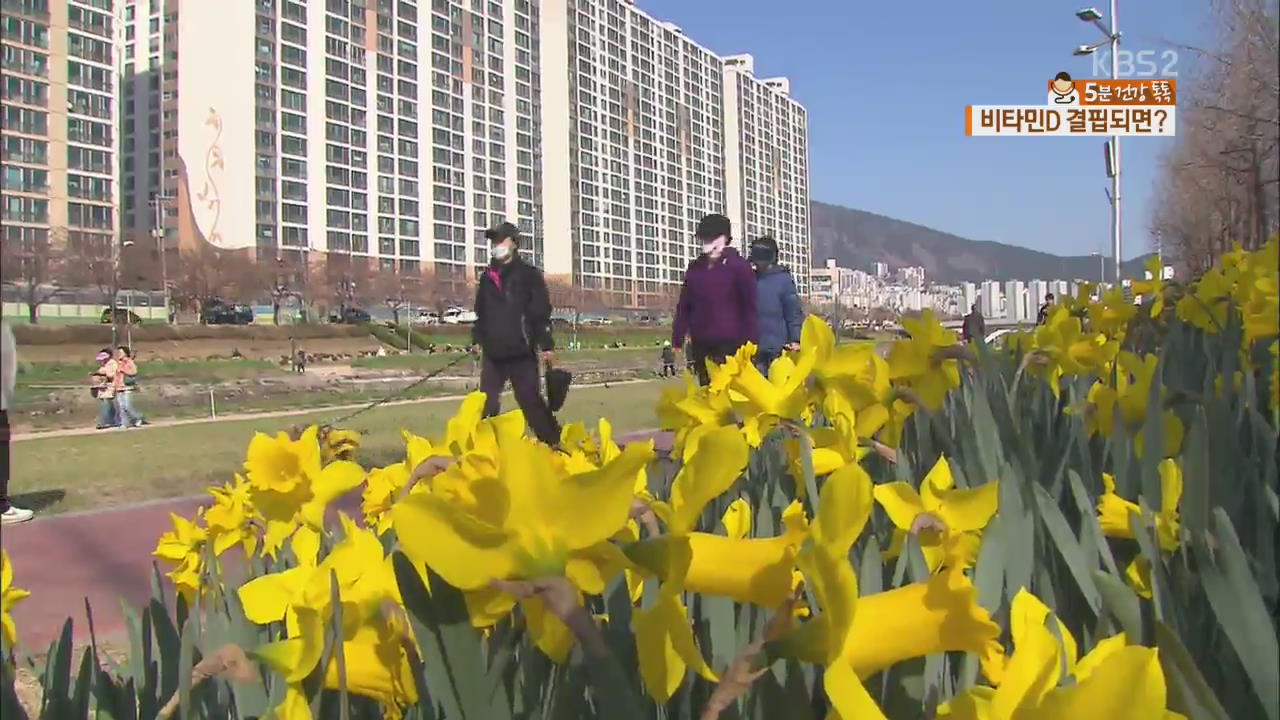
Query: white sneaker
{"x": 15, "y": 515}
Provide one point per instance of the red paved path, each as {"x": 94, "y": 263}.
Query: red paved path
{"x": 104, "y": 555}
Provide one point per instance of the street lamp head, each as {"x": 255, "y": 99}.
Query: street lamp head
{"x": 1084, "y": 50}
{"x": 1089, "y": 14}
{"x": 126, "y": 243}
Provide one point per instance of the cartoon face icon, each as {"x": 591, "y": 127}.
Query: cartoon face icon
{"x": 1062, "y": 90}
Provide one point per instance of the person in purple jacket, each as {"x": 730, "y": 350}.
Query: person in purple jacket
{"x": 717, "y": 307}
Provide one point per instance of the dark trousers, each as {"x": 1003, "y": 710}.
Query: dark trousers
{"x": 668, "y": 368}
{"x": 713, "y": 350}
{"x": 764, "y": 359}
{"x": 4, "y": 461}
{"x": 527, "y": 387}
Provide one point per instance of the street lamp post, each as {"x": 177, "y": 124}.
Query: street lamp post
{"x": 1112, "y": 33}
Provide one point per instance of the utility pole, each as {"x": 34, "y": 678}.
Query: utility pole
{"x": 158, "y": 230}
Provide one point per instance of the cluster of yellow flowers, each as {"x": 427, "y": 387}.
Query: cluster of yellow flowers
{"x": 512, "y": 523}
{"x": 1082, "y": 337}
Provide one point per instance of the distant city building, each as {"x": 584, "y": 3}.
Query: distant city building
{"x": 991, "y": 300}
{"x": 912, "y": 276}
{"x": 881, "y": 270}
{"x": 832, "y": 284}
{"x": 1016, "y": 298}
{"x": 968, "y": 295}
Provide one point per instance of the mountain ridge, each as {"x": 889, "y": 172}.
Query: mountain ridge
{"x": 859, "y": 239}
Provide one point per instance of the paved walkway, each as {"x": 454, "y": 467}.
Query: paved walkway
{"x": 105, "y": 556}
{"x": 73, "y": 432}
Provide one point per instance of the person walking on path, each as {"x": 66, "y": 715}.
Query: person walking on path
{"x": 103, "y": 389}
{"x": 513, "y": 331}
{"x": 717, "y": 306}
{"x": 125, "y": 385}
{"x": 1043, "y": 314}
{"x": 668, "y": 359}
{"x": 974, "y": 327}
{"x": 10, "y": 514}
{"x": 780, "y": 313}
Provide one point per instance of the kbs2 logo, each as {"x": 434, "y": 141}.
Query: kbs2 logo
{"x": 1140, "y": 64}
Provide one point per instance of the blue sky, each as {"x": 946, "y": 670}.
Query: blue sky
{"x": 849, "y": 61}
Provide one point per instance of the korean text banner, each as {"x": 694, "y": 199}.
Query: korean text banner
{"x": 1029, "y": 120}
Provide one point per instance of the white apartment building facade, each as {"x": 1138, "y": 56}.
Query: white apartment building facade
{"x": 767, "y": 163}
{"x": 396, "y": 131}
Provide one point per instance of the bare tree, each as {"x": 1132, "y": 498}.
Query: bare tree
{"x": 1217, "y": 185}
{"x": 34, "y": 267}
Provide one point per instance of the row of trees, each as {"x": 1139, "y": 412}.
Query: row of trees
{"x": 38, "y": 271}
{"x": 1218, "y": 184}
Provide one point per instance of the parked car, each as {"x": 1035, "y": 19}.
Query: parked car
{"x": 458, "y": 316}
{"x": 427, "y": 317}
{"x": 124, "y": 316}
{"x": 595, "y": 320}
{"x": 351, "y": 316}
{"x": 216, "y": 312}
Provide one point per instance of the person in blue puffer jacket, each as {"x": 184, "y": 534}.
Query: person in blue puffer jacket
{"x": 780, "y": 314}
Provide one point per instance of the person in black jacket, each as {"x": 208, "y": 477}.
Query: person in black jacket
{"x": 513, "y": 330}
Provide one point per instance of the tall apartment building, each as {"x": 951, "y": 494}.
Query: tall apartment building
{"x": 644, "y": 143}
{"x": 767, "y": 163}
{"x": 395, "y": 130}
{"x": 57, "y": 137}
{"x": 398, "y": 130}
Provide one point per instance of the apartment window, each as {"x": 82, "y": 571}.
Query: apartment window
{"x": 26, "y": 150}
{"x": 97, "y": 217}
{"x": 293, "y": 78}
{"x": 29, "y": 92}
{"x": 85, "y": 131}
{"x": 89, "y": 48}
{"x": 20, "y": 179}
{"x": 290, "y": 145}
{"x": 293, "y": 123}
{"x": 293, "y": 100}
{"x": 24, "y": 209}
{"x": 291, "y": 55}
{"x": 89, "y": 188}
{"x": 293, "y": 213}
{"x": 293, "y": 190}
{"x": 89, "y": 21}
{"x": 88, "y": 76}
{"x": 24, "y": 31}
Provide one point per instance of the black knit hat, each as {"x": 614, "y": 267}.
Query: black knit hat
{"x": 714, "y": 226}
{"x": 764, "y": 249}
{"x": 503, "y": 231}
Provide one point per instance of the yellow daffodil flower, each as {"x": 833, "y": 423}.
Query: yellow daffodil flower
{"x": 1114, "y": 680}
{"x": 1112, "y": 314}
{"x": 669, "y": 647}
{"x": 382, "y": 487}
{"x": 918, "y": 364}
{"x": 1131, "y": 394}
{"x": 737, "y": 519}
{"x": 1152, "y": 290}
{"x": 526, "y": 519}
{"x": 336, "y": 444}
{"x": 941, "y": 515}
{"x": 376, "y": 661}
{"x": 856, "y": 637}
{"x": 183, "y": 548}
{"x": 1114, "y": 511}
{"x": 1068, "y": 350}
{"x": 1206, "y": 305}
{"x": 9, "y": 596}
{"x": 290, "y": 486}
{"x": 691, "y": 413}
{"x": 230, "y": 520}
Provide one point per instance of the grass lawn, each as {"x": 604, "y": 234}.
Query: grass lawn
{"x": 115, "y": 467}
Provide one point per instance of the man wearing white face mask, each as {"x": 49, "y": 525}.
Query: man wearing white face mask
{"x": 717, "y": 307}
{"x": 513, "y": 329}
